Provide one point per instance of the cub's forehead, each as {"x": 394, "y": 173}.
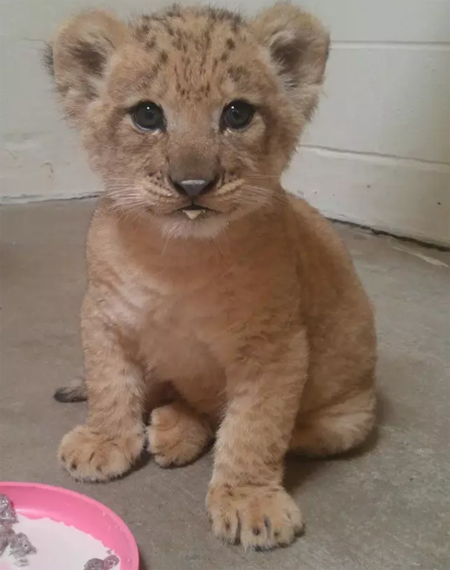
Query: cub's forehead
{"x": 192, "y": 29}
{"x": 192, "y": 53}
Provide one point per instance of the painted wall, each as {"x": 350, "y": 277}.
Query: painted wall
{"x": 378, "y": 152}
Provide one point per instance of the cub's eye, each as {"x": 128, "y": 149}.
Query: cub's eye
{"x": 148, "y": 116}
{"x": 237, "y": 115}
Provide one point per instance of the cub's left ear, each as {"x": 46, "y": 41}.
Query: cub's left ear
{"x": 298, "y": 46}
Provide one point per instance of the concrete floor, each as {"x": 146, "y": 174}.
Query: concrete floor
{"x": 386, "y": 509}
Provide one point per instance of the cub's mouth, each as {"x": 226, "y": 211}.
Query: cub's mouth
{"x": 193, "y": 211}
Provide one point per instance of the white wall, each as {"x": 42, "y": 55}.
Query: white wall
{"x": 378, "y": 152}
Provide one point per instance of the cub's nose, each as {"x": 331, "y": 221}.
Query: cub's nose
{"x": 193, "y": 188}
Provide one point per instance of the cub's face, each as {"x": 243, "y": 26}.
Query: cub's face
{"x": 191, "y": 115}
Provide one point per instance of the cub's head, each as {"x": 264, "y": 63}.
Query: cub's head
{"x": 190, "y": 115}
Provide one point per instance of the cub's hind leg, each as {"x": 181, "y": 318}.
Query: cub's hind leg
{"x": 336, "y": 428}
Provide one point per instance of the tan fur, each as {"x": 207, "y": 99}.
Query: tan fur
{"x": 248, "y": 322}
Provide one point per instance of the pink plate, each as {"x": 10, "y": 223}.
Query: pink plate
{"x": 36, "y": 501}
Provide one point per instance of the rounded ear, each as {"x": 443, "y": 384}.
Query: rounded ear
{"x": 298, "y": 45}
{"x": 78, "y": 57}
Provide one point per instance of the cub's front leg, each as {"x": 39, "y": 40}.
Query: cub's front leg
{"x": 246, "y": 500}
{"x": 113, "y": 437}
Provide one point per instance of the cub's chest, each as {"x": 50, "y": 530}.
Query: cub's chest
{"x": 167, "y": 300}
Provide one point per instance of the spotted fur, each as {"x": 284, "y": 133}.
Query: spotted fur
{"x": 192, "y": 61}
{"x": 251, "y": 314}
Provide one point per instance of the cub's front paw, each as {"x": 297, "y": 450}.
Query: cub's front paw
{"x": 91, "y": 456}
{"x": 260, "y": 518}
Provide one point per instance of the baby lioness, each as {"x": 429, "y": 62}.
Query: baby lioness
{"x": 226, "y": 307}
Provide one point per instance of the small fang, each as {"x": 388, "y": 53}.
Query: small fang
{"x": 192, "y": 214}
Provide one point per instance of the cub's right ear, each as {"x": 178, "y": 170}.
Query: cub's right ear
{"x": 78, "y": 58}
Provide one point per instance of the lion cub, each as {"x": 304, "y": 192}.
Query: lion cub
{"x": 215, "y": 300}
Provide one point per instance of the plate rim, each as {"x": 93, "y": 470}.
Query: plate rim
{"x": 75, "y": 494}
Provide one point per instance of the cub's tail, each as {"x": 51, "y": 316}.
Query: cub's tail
{"x": 74, "y": 392}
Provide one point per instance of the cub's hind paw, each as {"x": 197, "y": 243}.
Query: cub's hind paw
{"x": 176, "y": 435}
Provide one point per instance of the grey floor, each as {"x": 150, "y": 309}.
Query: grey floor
{"x": 386, "y": 509}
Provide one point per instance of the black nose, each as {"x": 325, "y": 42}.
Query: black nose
{"x": 193, "y": 188}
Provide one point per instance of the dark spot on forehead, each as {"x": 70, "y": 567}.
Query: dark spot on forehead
{"x": 155, "y": 70}
{"x": 230, "y": 44}
{"x": 162, "y": 59}
{"x": 169, "y": 29}
{"x": 180, "y": 43}
{"x": 203, "y": 89}
{"x": 224, "y": 56}
{"x": 237, "y": 73}
{"x": 151, "y": 43}
{"x": 242, "y": 77}
{"x": 142, "y": 27}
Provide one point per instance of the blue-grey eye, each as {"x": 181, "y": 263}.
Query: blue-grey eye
{"x": 148, "y": 116}
{"x": 237, "y": 115}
